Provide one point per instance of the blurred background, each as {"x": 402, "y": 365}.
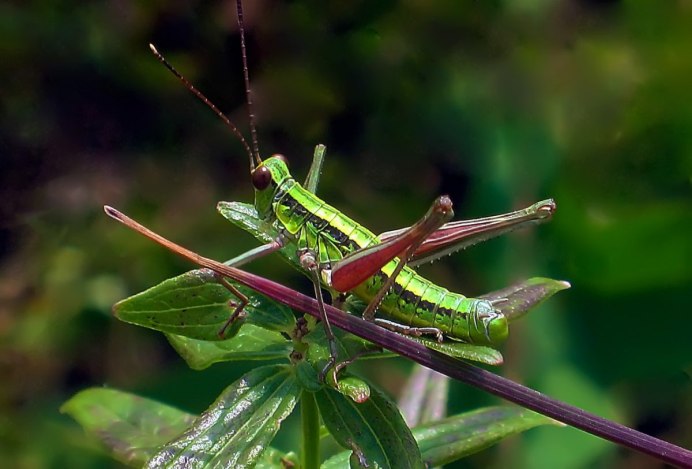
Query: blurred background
{"x": 498, "y": 104}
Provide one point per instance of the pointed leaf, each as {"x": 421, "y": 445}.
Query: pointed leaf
{"x": 472, "y": 352}
{"x": 313, "y": 178}
{"x": 132, "y": 427}
{"x": 251, "y": 343}
{"x": 237, "y": 428}
{"x": 462, "y": 435}
{"x": 374, "y": 431}
{"x": 516, "y": 300}
{"x": 459, "y": 436}
{"x": 196, "y": 305}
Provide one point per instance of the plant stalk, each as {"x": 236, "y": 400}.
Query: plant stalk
{"x": 310, "y": 423}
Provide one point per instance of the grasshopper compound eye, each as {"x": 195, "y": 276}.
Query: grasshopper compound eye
{"x": 261, "y": 177}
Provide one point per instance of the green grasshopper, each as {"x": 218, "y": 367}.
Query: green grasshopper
{"x": 342, "y": 256}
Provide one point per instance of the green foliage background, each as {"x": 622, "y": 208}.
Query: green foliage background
{"x": 499, "y": 104}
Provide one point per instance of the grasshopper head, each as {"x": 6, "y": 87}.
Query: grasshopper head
{"x": 266, "y": 179}
{"x": 488, "y": 326}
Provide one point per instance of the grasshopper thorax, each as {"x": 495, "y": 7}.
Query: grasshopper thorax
{"x": 267, "y": 178}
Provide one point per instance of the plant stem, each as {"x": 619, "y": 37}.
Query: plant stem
{"x": 310, "y": 422}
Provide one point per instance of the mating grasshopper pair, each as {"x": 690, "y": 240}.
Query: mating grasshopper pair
{"x": 342, "y": 256}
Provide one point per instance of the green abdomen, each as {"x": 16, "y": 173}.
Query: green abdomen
{"x": 417, "y": 302}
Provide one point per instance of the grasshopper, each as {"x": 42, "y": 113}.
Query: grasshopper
{"x": 343, "y": 257}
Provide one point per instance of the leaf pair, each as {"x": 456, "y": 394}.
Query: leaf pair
{"x": 238, "y": 427}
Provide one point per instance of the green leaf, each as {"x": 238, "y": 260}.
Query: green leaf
{"x": 238, "y": 426}
{"x": 456, "y": 437}
{"x": 374, "y": 431}
{"x": 196, "y": 305}
{"x": 308, "y": 377}
{"x": 472, "y": 352}
{"x": 251, "y": 343}
{"x": 518, "y": 299}
{"x": 132, "y": 427}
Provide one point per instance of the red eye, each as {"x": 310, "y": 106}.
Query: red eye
{"x": 261, "y": 177}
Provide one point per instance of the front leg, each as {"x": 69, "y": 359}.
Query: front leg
{"x": 308, "y": 260}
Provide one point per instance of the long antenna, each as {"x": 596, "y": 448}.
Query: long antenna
{"x": 246, "y": 76}
{"x": 206, "y": 101}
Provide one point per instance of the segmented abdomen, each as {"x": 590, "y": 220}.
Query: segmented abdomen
{"x": 417, "y": 302}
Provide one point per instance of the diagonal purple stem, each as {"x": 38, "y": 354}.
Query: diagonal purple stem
{"x": 469, "y": 374}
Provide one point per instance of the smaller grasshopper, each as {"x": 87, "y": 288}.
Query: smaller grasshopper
{"x": 342, "y": 256}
